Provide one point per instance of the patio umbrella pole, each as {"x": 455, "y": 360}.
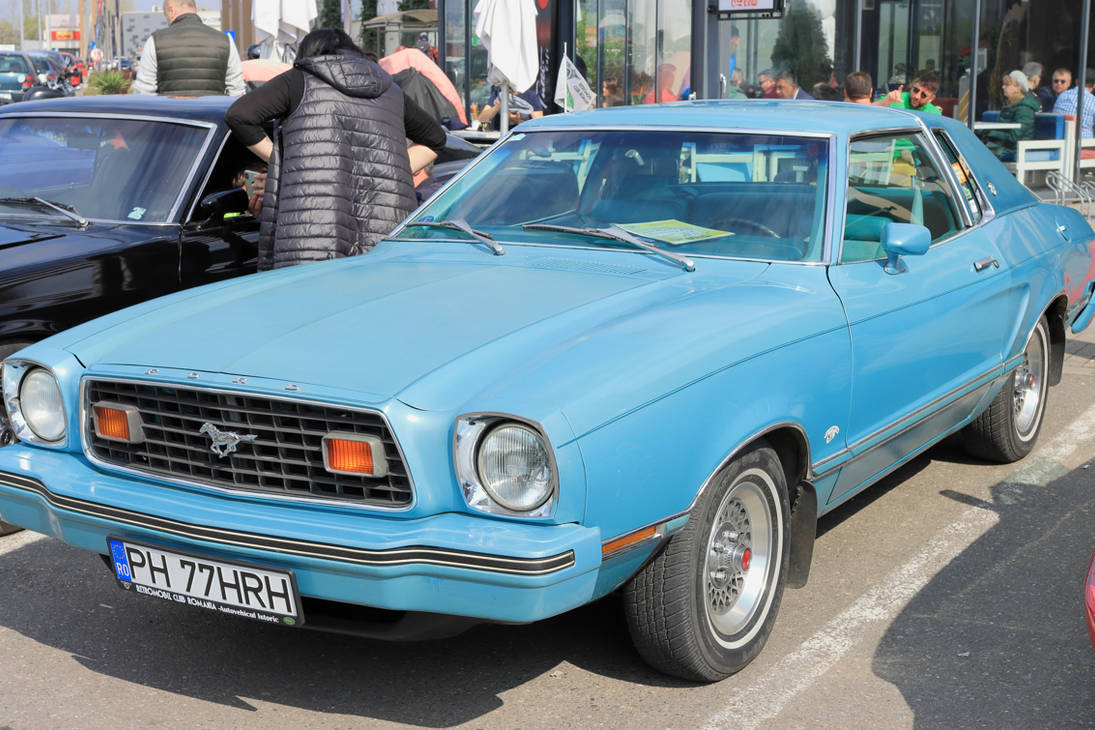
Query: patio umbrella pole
{"x": 1080, "y": 91}
{"x": 503, "y": 126}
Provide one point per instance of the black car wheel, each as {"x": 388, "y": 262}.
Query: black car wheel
{"x": 1007, "y": 429}
{"x": 704, "y": 607}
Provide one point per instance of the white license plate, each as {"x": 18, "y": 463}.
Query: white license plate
{"x": 216, "y": 585}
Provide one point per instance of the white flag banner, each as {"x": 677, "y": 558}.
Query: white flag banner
{"x": 571, "y": 90}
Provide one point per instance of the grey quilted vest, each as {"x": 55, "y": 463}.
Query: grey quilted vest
{"x": 339, "y": 177}
{"x": 191, "y": 58}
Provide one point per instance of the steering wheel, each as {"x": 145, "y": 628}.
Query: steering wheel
{"x": 758, "y": 227}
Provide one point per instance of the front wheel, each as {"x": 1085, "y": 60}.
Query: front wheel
{"x": 1007, "y": 429}
{"x": 704, "y": 607}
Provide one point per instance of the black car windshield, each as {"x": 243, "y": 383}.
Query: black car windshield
{"x": 756, "y": 196}
{"x": 112, "y": 169}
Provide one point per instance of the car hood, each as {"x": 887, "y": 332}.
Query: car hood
{"x": 380, "y": 323}
{"x": 12, "y": 235}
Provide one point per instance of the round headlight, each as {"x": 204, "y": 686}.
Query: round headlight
{"x": 515, "y": 468}
{"x": 40, "y": 403}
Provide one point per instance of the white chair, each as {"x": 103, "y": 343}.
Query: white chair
{"x": 1048, "y": 153}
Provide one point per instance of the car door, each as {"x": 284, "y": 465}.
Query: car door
{"x": 928, "y": 336}
{"x": 220, "y": 237}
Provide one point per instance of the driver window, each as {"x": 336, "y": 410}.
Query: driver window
{"x": 893, "y": 178}
{"x": 228, "y": 172}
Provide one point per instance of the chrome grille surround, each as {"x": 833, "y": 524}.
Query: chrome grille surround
{"x": 284, "y": 462}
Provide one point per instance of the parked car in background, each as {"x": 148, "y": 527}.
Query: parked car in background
{"x": 639, "y": 348}
{"x": 50, "y": 71}
{"x": 17, "y": 74}
{"x": 74, "y": 67}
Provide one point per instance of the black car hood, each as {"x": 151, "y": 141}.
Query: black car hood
{"x": 13, "y": 234}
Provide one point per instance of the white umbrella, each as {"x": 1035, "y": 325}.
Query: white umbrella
{"x": 507, "y": 29}
{"x": 280, "y": 24}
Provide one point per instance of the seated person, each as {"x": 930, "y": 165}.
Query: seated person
{"x": 1021, "y": 108}
{"x": 516, "y": 116}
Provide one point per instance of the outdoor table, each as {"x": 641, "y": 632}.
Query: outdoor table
{"x": 985, "y": 126}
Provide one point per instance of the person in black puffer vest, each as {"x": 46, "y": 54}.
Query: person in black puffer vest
{"x": 340, "y": 176}
{"x": 188, "y": 58}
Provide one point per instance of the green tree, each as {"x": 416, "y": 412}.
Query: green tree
{"x": 8, "y": 32}
{"x": 800, "y": 46}
{"x": 370, "y": 38}
{"x": 414, "y": 4}
{"x": 331, "y": 14}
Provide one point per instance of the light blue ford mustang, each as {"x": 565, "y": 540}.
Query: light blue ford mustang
{"x": 637, "y": 349}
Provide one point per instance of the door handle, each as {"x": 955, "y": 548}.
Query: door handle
{"x": 985, "y": 263}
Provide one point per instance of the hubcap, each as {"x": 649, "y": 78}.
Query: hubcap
{"x": 739, "y": 554}
{"x": 1027, "y": 399}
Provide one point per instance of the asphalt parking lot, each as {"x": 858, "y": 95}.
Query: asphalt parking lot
{"x": 947, "y": 596}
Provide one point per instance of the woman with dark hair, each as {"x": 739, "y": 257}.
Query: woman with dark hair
{"x": 340, "y": 170}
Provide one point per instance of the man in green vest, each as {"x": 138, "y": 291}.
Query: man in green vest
{"x": 188, "y": 58}
{"x": 918, "y": 98}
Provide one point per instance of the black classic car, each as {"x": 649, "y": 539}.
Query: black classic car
{"x": 109, "y": 201}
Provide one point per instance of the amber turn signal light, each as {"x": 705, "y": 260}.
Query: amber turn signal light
{"x": 346, "y": 453}
{"x": 626, "y": 542}
{"x": 116, "y": 422}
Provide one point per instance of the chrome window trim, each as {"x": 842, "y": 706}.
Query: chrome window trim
{"x": 931, "y": 146}
{"x": 500, "y": 416}
{"x": 247, "y": 493}
{"x": 205, "y": 179}
{"x": 987, "y": 210}
{"x": 919, "y": 415}
{"x": 172, "y": 215}
{"x": 826, "y": 232}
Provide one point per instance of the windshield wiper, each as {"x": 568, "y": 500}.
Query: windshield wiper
{"x": 617, "y": 234}
{"x": 65, "y": 210}
{"x": 459, "y": 224}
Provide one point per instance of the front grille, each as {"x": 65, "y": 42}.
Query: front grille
{"x": 285, "y": 458}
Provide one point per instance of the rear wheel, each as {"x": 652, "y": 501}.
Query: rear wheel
{"x": 704, "y": 607}
{"x": 1007, "y": 429}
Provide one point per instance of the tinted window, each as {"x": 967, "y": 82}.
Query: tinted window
{"x": 893, "y": 178}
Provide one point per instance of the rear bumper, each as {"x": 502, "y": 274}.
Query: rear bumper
{"x": 454, "y": 564}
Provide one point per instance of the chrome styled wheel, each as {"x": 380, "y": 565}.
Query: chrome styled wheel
{"x": 1007, "y": 429}
{"x": 703, "y": 608}
{"x": 739, "y": 552}
{"x": 1030, "y": 386}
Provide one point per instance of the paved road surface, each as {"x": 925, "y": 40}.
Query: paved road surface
{"x": 948, "y": 596}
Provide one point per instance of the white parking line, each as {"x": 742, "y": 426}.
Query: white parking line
{"x": 766, "y": 696}
{"x": 8, "y": 543}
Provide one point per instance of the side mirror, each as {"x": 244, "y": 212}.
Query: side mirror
{"x": 903, "y": 239}
{"x": 214, "y": 207}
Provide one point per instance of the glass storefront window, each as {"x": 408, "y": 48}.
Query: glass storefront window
{"x": 635, "y": 51}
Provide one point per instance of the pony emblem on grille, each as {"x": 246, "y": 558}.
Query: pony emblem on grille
{"x": 224, "y": 442}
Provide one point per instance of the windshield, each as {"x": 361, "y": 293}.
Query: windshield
{"x": 114, "y": 169}
{"x": 756, "y": 196}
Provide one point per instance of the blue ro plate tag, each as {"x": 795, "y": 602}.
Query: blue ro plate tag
{"x": 227, "y": 587}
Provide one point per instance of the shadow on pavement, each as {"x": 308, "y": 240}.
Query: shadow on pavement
{"x": 65, "y": 598}
{"x": 1008, "y": 647}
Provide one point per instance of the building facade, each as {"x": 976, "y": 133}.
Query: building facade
{"x": 636, "y": 51}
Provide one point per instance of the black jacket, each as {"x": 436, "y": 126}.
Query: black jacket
{"x": 339, "y": 177}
